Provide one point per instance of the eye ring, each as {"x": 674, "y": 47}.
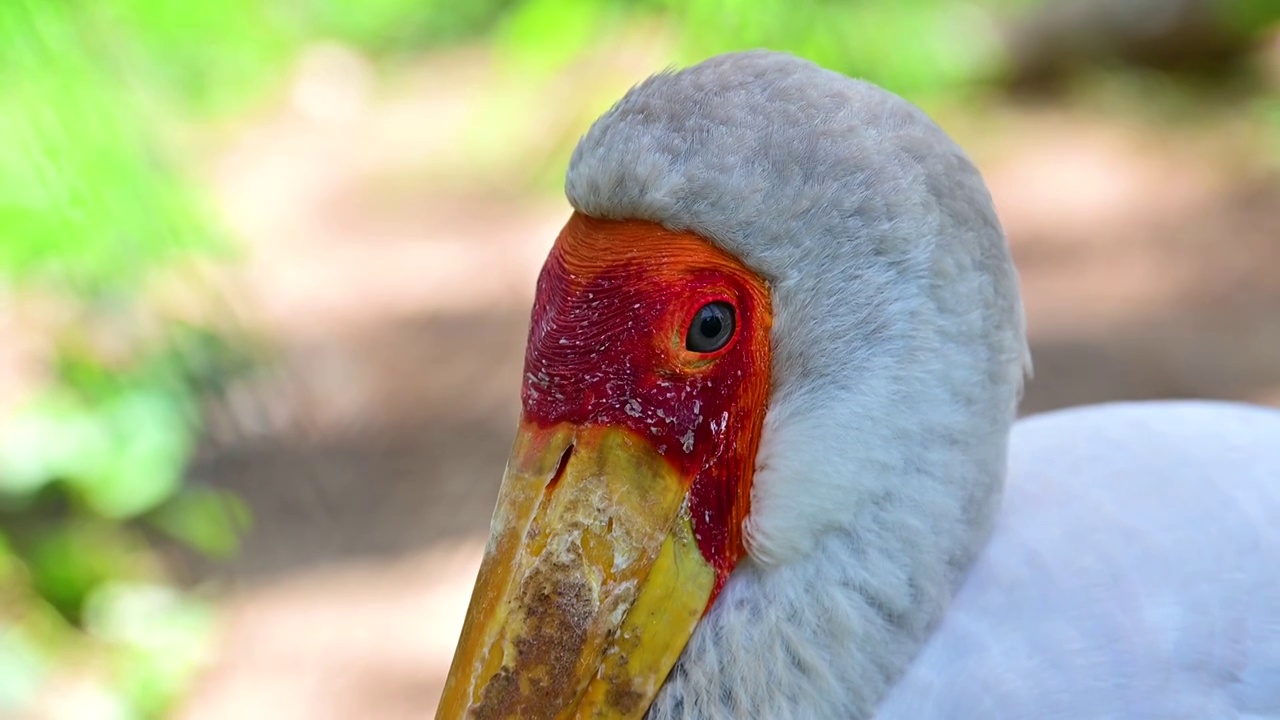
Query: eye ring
{"x": 711, "y": 328}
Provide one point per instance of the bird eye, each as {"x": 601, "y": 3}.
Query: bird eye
{"x": 711, "y": 329}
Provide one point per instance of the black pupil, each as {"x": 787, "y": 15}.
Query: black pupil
{"x": 711, "y": 328}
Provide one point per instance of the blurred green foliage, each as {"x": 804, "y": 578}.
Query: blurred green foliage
{"x": 1252, "y": 16}
{"x": 914, "y": 47}
{"x": 214, "y": 57}
{"x": 92, "y": 216}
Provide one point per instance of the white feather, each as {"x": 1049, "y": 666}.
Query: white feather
{"x": 1134, "y": 572}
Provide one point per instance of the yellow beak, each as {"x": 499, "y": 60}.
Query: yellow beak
{"x": 591, "y": 584}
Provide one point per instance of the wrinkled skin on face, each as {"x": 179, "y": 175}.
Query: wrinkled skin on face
{"x": 620, "y": 515}
{"x": 607, "y": 347}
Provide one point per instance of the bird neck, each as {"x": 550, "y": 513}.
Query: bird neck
{"x": 828, "y": 632}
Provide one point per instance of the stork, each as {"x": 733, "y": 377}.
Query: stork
{"x": 768, "y": 465}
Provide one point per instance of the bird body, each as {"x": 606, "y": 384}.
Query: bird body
{"x": 764, "y": 467}
{"x": 1133, "y": 572}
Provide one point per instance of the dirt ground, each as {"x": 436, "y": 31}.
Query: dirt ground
{"x": 371, "y": 455}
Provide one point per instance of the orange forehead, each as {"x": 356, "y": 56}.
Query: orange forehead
{"x": 591, "y": 244}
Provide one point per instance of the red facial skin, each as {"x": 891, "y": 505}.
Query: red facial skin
{"x": 607, "y": 347}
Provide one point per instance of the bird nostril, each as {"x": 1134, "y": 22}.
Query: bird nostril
{"x": 560, "y": 466}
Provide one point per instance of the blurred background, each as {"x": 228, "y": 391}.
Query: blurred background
{"x": 265, "y": 270}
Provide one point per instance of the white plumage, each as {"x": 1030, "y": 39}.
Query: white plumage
{"x": 1134, "y": 572}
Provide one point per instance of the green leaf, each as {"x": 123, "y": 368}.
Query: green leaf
{"x": 1252, "y": 17}
{"x": 151, "y": 440}
{"x": 207, "y": 520}
{"x": 161, "y": 637}
{"x": 53, "y": 437}
{"x": 70, "y": 560}
{"x": 123, "y": 456}
{"x": 546, "y": 35}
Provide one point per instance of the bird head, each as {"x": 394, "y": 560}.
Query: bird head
{"x": 782, "y": 307}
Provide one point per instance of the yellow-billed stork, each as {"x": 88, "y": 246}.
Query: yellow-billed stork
{"x": 767, "y": 465}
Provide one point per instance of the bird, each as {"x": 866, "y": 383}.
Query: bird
{"x": 769, "y": 462}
